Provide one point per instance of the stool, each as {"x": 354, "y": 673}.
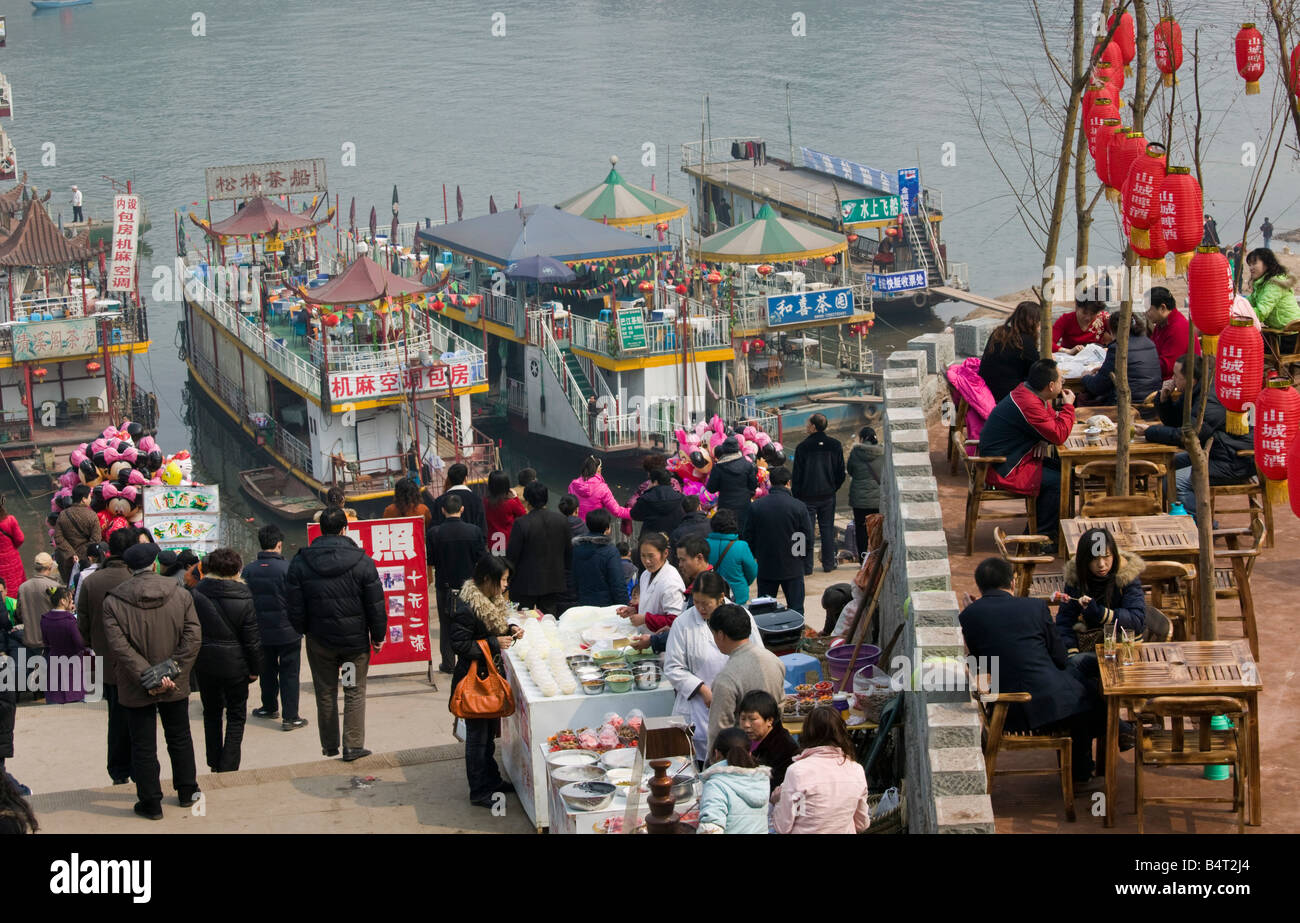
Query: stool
{"x": 800, "y": 668}
{"x": 605, "y": 315}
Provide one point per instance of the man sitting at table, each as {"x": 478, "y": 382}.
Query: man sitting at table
{"x": 1143, "y": 365}
{"x": 1037, "y": 411}
{"x": 1023, "y": 646}
{"x": 1084, "y": 325}
{"x": 1168, "y": 329}
{"x": 1226, "y": 466}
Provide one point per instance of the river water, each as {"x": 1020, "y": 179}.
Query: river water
{"x": 429, "y": 95}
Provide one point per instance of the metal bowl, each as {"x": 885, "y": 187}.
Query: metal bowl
{"x": 593, "y": 686}
{"x": 647, "y": 678}
{"x": 588, "y": 796}
{"x": 576, "y": 661}
{"x": 566, "y": 774}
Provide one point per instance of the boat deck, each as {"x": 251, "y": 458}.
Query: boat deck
{"x": 815, "y": 195}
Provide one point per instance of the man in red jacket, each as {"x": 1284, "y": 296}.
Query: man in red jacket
{"x": 1018, "y": 429}
{"x": 1168, "y": 329}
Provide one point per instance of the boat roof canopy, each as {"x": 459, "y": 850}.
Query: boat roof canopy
{"x": 621, "y": 204}
{"x": 767, "y": 237}
{"x": 37, "y": 242}
{"x": 537, "y": 230}
{"x": 364, "y": 280}
{"x": 258, "y": 217}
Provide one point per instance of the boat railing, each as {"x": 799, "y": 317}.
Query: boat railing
{"x": 456, "y": 440}
{"x": 744, "y": 411}
{"x": 516, "y": 397}
{"x": 292, "y": 449}
{"x": 931, "y": 242}
{"x": 539, "y": 334}
{"x": 712, "y": 150}
{"x": 140, "y": 407}
{"x": 959, "y": 276}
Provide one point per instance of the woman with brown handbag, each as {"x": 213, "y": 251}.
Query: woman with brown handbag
{"x": 479, "y": 629}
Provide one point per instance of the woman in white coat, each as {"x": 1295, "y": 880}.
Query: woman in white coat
{"x": 662, "y": 594}
{"x": 692, "y": 660}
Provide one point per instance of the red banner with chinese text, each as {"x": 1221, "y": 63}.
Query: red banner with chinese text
{"x": 397, "y": 548}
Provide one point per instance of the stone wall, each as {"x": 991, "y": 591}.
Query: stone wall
{"x": 944, "y": 764}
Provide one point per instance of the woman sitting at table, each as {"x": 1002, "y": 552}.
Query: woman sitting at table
{"x": 1085, "y": 324}
{"x": 1104, "y": 587}
{"x": 1011, "y": 350}
{"x": 1143, "y": 365}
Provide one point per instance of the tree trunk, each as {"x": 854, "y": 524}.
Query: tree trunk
{"x": 1279, "y": 24}
{"x": 1192, "y": 419}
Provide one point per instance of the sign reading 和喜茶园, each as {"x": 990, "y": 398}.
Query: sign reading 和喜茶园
{"x": 281, "y": 177}
{"x": 55, "y": 339}
{"x": 826, "y": 304}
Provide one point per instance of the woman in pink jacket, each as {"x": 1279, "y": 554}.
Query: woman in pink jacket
{"x": 825, "y": 788}
{"x": 593, "y": 493}
{"x": 11, "y": 561}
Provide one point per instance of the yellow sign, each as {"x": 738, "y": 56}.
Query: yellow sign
{"x": 273, "y": 245}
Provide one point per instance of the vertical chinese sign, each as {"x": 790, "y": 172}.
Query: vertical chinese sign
{"x": 126, "y": 229}
{"x": 397, "y": 548}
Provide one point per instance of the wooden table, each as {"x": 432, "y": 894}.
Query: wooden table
{"x": 1157, "y": 538}
{"x": 1077, "y": 451}
{"x": 1184, "y": 668}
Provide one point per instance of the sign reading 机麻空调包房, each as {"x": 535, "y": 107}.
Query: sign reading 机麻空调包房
{"x": 126, "y": 229}
{"x": 803, "y": 307}
{"x": 631, "y": 330}
{"x": 55, "y": 339}
{"x": 395, "y": 382}
{"x": 282, "y": 177}
{"x": 875, "y": 208}
{"x": 892, "y": 283}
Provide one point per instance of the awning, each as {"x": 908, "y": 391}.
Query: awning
{"x": 259, "y": 217}
{"x": 364, "y": 280}
{"x": 767, "y": 238}
{"x": 623, "y": 205}
{"x": 37, "y": 242}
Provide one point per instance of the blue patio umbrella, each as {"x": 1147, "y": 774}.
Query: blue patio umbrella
{"x": 539, "y": 268}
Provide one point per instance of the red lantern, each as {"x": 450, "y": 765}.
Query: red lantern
{"x": 1110, "y": 152}
{"x": 713, "y": 278}
{"x": 92, "y": 367}
{"x": 1141, "y": 193}
{"x": 1102, "y": 111}
{"x": 1293, "y": 475}
{"x": 40, "y": 372}
{"x": 759, "y": 344}
{"x": 852, "y": 238}
{"x": 1122, "y": 155}
{"x": 1182, "y": 218}
{"x": 1250, "y": 57}
{"x": 661, "y": 226}
{"x": 1277, "y": 424}
{"x": 1239, "y": 371}
{"x": 438, "y": 305}
{"x": 681, "y": 289}
{"x": 473, "y": 301}
{"x": 1153, "y": 254}
{"x": 1295, "y": 76}
{"x": 1109, "y": 130}
{"x": 828, "y": 261}
{"x": 891, "y": 232}
{"x": 330, "y": 320}
{"x": 1169, "y": 48}
{"x": 1111, "y": 74}
{"x": 764, "y": 270}
{"x": 1113, "y": 55}
{"x": 1125, "y": 38}
{"x": 1209, "y": 295}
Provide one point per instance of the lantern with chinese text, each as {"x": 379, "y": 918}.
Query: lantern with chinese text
{"x": 1106, "y": 85}
{"x": 1295, "y": 76}
{"x": 1110, "y": 74}
{"x": 1141, "y": 193}
{"x": 1103, "y": 110}
{"x": 1239, "y": 371}
{"x": 1125, "y": 37}
{"x": 764, "y": 270}
{"x": 1169, "y": 48}
{"x": 1123, "y": 153}
{"x": 1110, "y": 151}
{"x": 1250, "y": 56}
{"x": 1152, "y": 256}
{"x": 1293, "y": 475}
{"x": 828, "y": 260}
{"x": 1209, "y": 295}
{"x": 1109, "y": 130}
{"x": 1182, "y": 218}
{"x": 1277, "y": 423}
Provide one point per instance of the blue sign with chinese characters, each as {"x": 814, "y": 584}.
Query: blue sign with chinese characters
{"x": 849, "y": 170}
{"x": 909, "y": 189}
{"x": 893, "y": 283}
{"x": 803, "y": 307}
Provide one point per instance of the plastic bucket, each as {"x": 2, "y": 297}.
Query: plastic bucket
{"x": 838, "y": 660}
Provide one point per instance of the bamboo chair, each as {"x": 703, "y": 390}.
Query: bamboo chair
{"x": 1159, "y": 746}
{"x": 993, "y": 717}
{"x": 1171, "y": 588}
{"x": 980, "y": 492}
{"x": 1120, "y": 506}
{"x": 1232, "y": 577}
{"x": 1258, "y": 506}
{"x": 1020, "y": 552}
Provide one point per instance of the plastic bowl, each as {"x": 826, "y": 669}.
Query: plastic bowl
{"x": 572, "y": 758}
{"x": 617, "y": 682}
{"x": 623, "y": 779}
{"x": 588, "y": 796}
{"x": 594, "y": 686}
{"x": 838, "y": 659}
{"x": 588, "y": 773}
{"x": 609, "y": 656}
{"x": 622, "y": 758}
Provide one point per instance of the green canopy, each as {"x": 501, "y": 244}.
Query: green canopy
{"x": 621, "y": 204}
{"x": 768, "y": 237}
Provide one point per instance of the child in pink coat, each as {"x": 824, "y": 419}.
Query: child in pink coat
{"x": 593, "y": 493}
{"x": 825, "y": 788}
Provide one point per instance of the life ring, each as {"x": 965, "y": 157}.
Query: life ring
{"x": 920, "y": 300}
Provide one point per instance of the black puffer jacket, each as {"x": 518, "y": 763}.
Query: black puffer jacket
{"x": 659, "y": 509}
{"x": 265, "y": 579}
{"x": 1226, "y": 466}
{"x": 334, "y": 595}
{"x": 818, "y": 468}
{"x": 734, "y": 479}
{"x": 232, "y": 645}
{"x": 474, "y": 618}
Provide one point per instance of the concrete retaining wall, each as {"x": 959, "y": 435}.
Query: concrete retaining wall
{"x": 944, "y": 763}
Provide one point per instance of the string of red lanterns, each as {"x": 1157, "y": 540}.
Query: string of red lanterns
{"x": 1125, "y": 39}
{"x": 1209, "y": 295}
{"x": 1182, "y": 215}
{"x": 1240, "y": 369}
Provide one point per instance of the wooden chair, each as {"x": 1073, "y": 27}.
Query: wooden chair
{"x": 1283, "y": 357}
{"x": 1232, "y": 571}
{"x": 1120, "y": 506}
{"x": 1159, "y": 746}
{"x": 993, "y": 717}
{"x": 1171, "y": 586}
{"x": 1021, "y": 552}
{"x": 957, "y": 431}
{"x": 979, "y": 492}
{"x": 76, "y": 408}
{"x": 1157, "y": 628}
{"x": 1096, "y": 479}
{"x": 1258, "y": 506}
{"x": 94, "y": 405}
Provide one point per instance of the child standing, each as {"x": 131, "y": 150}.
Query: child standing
{"x": 735, "y": 788}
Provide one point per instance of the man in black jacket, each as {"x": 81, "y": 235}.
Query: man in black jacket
{"x": 1026, "y": 654}
{"x": 1226, "y": 466}
{"x": 659, "y": 509}
{"x": 454, "y": 548}
{"x": 541, "y": 553}
{"x": 733, "y": 478}
{"x": 471, "y": 503}
{"x": 780, "y": 533}
{"x": 818, "y": 474}
{"x": 695, "y": 522}
{"x": 335, "y": 599}
{"x": 281, "y": 644}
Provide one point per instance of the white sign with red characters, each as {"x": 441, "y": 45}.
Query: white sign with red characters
{"x": 1274, "y": 432}
{"x": 126, "y": 229}
{"x": 1230, "y": 377}
{"x": 353, "y": 386}
{"x": 397, "y": 548}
